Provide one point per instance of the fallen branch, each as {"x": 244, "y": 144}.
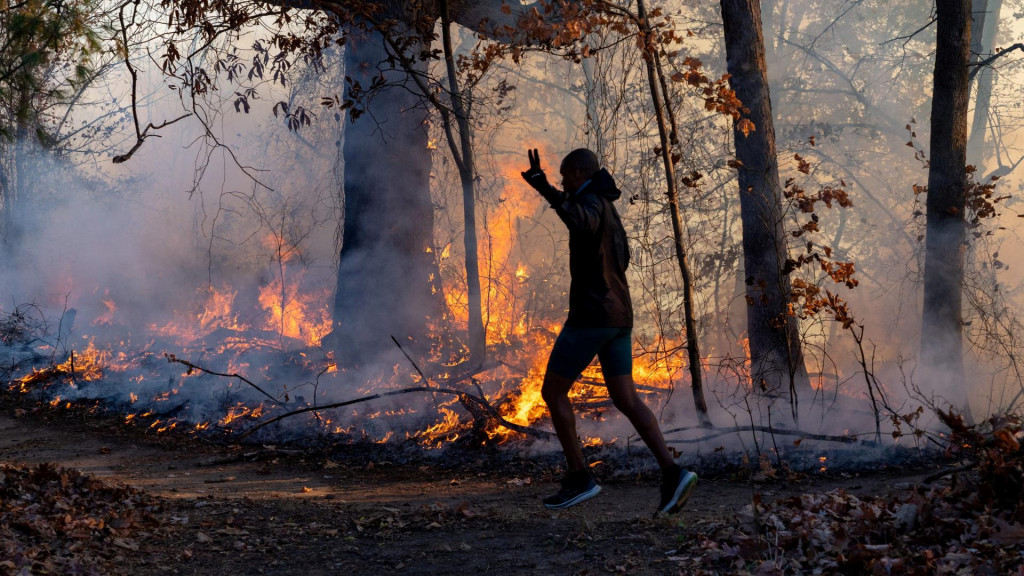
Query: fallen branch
{"x": 191, "y": 366}
{"x": 844, "y": 439}
{"x": 463, "y": 397}
{"x": 477, "y": 406}
{"x": 955, "y": 470}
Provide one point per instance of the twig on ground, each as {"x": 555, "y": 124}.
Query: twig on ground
{"x": 933, "y": 477}
{"x": 191, "y": 366}
{"x": 481, "y": 405}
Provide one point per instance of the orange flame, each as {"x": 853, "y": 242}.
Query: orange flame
{"x": 294, "y": 315}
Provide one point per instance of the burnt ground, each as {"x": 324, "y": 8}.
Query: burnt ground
{"x": 245, "y": 509}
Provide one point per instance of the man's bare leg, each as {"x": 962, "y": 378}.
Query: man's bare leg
{"x": 624, "y": 396}
{"x": 555, "y": 392}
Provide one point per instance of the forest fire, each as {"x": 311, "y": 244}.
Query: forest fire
{"x": 294, "y": 315}
{"x": 273, "y": 334}
{"x": 328, "y": 245}
{"x": 332, "y": 235}
{"x": 282, "y": 320}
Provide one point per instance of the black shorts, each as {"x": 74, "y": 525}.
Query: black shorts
{"x": 576, "y": 347}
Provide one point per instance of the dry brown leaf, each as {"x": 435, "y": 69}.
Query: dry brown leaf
{"x": 1009, "y": 534}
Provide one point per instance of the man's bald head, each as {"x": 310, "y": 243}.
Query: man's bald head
{"x": 583, "y": 160}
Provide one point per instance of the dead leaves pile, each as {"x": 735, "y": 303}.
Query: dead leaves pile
{"x": 55, "y": 520}
{"x": 972, "y": 522}
{"x": 936, "y": 531}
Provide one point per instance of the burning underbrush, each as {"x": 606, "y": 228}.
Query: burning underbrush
{"x": 231, "y": 377}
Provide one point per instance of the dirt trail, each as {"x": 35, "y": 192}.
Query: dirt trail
{"x": 260, "y": 510}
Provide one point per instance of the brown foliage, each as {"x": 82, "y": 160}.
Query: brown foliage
{"x": 807, "y": 298}
{"x": 995, "y": 447}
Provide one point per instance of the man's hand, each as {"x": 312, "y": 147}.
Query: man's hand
{"x": 535, "y": 177}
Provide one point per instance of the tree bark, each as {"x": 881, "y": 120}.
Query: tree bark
{"x": 387, "y": 265}
{"x": 466, "y": 161}
{"x": 942, "y": 322}
{"x": 776, "y": 357}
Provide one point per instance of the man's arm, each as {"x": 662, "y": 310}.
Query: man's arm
{"x": 582, "y": 213}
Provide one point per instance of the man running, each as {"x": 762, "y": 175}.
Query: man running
{"x": 600, "y": 323}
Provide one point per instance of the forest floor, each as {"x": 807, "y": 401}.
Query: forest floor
{"x": 198, "y": 507}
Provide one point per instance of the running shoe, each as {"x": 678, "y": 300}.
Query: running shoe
{"x": 676, "y": 486}
{"x": 577, "y": 487}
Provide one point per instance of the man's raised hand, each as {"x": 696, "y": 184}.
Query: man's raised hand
{"x": 535, "y": 175}
{"x": 535, "y": 170}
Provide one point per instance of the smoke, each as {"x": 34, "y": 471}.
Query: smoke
{"x": 176, "y": 250}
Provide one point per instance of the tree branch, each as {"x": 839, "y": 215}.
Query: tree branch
{"x": 988, "y": 61}
{"x": 494, "y": 16}
{"x": 844, "y": 439}
{"x": 906, "y": 39}
{"x": 191, "y": 366}
{"x": 465, "y": 398}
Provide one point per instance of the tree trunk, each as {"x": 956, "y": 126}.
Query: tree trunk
{"x": 466, "y": 161}
{"x": 776, "y": 358}
{"x": 594, "y": 91}
{"x": 941, "y": 342}
{"x": 983, "y": 36}
{"x": 667, "y": 133}
{"x": 15, "y": 185}
{"x": 387, "y": 267}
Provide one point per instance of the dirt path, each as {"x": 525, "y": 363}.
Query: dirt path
{"x": 263, "y": 510}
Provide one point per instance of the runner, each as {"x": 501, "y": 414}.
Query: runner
{"x": 600, "y": 323}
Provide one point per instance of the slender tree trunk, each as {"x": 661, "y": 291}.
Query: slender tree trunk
{"x": 941, "y": 330}
{"x": 387, "y": 267}
{"x": 16, "y": 181}
{"x": 776, "y": 357}
{"x": 465, "y": 160}
{"x": 983, "y": 36}
{"x": 667, "y": 133}
{"x": 6, "y": 195}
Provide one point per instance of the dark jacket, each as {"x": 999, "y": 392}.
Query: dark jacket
{"x": 598, "y": 255}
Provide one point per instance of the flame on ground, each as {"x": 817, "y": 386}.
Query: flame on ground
{"x": 295, "y": 315}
